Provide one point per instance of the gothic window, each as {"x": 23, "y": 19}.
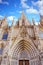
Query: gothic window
{"x": 5, "y": 35}
{"x": 1, "y": 50}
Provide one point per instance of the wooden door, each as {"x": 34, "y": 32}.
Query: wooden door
{"x": 26, "y": 62}
{"x": 23, "y": 62}
{"x": 20, "y": 62}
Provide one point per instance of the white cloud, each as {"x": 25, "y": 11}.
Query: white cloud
{"x": 36, "y": 23}
{"x": 5, "y": 2}
{"x": 24, "y": 4}
{"x": 28, "y": 8}
{"x": 39, "y": 4}
{"x": 20, "y": 11}
{"x": 32, "y": 10}
{"x": 10, "y": 18}
{"x": 1, "y": 16}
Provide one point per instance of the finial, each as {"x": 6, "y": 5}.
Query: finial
{"x": 23, "y": 13}
{"x": 41, "y": 16}
{"x": 33, "y": 21}
{"x": 4, "y": 18}
{"x": 41, "y": 20}
{"x": 13, "y": 22}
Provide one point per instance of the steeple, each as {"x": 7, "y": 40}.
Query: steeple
{"x": 33, "y": 21}
{"x": 23, "y": 21}
{"x": 41, "y": 20}
{"x": 23, "y": 15}
{"x": 5, "y": 18}
{"x": 12, "y": 26}
{"x": 23, "y": 18}
{"x": 34, "y": 28}
{"x": 13, "y": 22}
{"x": 4, "y": 23}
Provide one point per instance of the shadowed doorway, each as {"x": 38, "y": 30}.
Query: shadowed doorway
{"x": 23, "y": 62}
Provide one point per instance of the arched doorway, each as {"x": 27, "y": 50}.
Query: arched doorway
{"x": 23, "y": 58}
{"x": 23, "y": 62}
{"x": 23, "y": 52}
{"x": 31, "y": 57}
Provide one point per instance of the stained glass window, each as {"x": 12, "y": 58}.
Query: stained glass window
{"x": 1, "y": 50}
{"x": 5, "y": 35}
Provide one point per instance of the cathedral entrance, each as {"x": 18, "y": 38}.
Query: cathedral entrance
{"x": 23, "y": 62}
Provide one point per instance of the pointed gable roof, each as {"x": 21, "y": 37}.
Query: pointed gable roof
{"x": 4, "y": 23}
{"x": 23, "y": 20}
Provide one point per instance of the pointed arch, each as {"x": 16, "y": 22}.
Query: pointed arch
{"x": 25, "y": 45}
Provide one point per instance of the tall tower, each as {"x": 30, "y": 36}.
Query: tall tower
{"x": 41, "y": 20}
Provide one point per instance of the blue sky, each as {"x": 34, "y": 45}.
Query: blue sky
{"x": 13, "y": 9}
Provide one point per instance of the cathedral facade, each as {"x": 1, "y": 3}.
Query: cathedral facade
{"x": 22, "y": 43}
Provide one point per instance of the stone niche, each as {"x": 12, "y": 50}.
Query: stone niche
{"x": 5, "y": 61}
{"x": 34, "y": 62}
{"x": 13, "y": 62}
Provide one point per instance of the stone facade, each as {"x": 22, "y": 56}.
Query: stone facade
{"x": 23, "y": 41}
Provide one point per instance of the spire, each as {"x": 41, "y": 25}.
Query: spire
{"x": 23, "y": 15}
{"x": 23, "y": 18}
{"x": 4, "y": 19}
{"x": 41, "y": 16}
{"x": 18, "y": 23}
{"x": 4, "y": 23}
{"x": 41, "y": 20}
{"x": 13, "y": 22}
{"x": 23, "y": 21}
{"x": 33, "y": 21}
{"x": 34, "y": 29}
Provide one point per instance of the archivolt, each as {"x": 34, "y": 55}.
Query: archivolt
{"x": 25, "y": 45}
